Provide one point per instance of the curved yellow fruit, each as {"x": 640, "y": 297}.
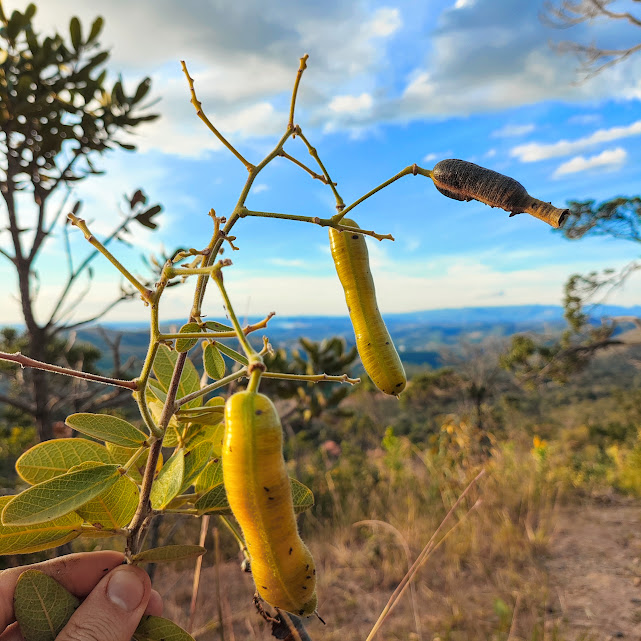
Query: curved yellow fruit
{"x": 259, "y": 493}
{"x": 375, "y": 346}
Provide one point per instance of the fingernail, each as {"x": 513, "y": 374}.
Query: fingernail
{"x": 126, "y": 588}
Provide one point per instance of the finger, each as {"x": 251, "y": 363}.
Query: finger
{"x": 154, "y": 607}
{"x": 12, "y": 633}
{"x": 113, "y": 608}
{"x": 79, "y": 573}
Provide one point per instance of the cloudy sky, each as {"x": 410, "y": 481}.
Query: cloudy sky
{"x": 388, "y": 84}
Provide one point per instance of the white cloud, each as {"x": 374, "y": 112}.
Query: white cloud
{"x": 535, "y": 151}
{"x": 461, "y": 4}
{"x": 351, "y": 104}
{"x": 260, "y": 188}
{"x": 512, "y": 131}
{"x": 610, "y": 158}
{"x": 386, "y": 21}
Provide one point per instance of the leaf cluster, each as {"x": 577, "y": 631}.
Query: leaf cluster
{"x": 55, "y": 97}
{"x": 91, "y": 486}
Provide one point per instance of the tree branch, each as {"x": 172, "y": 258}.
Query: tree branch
{"x": 25, "y": 361}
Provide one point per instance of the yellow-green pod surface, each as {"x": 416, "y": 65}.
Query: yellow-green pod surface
{"x": 259, "y": 493}
{"x": 375, "y": 346}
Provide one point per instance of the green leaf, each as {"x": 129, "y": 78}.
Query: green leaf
{"x": 302, "y": 496}
{"x": 185, "y": 344}
{"x": 60, "y": 495}
{"x": 122, "y": 455}
{"x": 114, "y": 508}
{"x": 203, "y": 432}
{"x": 107, "y": 428}
{"x": 211, "y": 475}
{"x": 156, "y": 390}
{"x": 96, "y": 28}
{"x": 20, "y": 539}
{"x": 142, "y": 90}
{"x": 76, "y": 34}
{"x": 53, "y": 458}
{"x": 169, "y": 481}
{"x": 218, "y": 327}
{"x": 213, "y": 361}
{"x": 195, "y": 461}
{"x": 213, "y": 501}
{"x": 164, "y": 368}
{"x": 169, "y": 554}
{"x": 42, "y": 606}
{"x": 159, "y": 629}
{"x": 232, "y": 353}
{"x": 202, "y": 415}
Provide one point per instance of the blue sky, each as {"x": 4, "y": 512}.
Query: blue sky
{"x": 388, "y": 84}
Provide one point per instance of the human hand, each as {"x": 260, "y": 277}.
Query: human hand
{"x": 117, "y": 596}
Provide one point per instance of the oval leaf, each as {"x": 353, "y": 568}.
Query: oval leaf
{"x": 213, "y": 501}
{"x": 302, "y": 496}
{"x": 169, "y": 481}
{"x": 42, "y": 606}
{"x": 211, "y": 475}
{"x": 107, "y": 428}
{"x": 195, "y": 461}
{"x": 233, "y": 354}
{"x": 164, "y": 368}
{"x": 169, "y": 553}
{"x": 173, "y": 433}
{"x": 60, "y": 495}
{"x": 185, "y": 344}
{"x": 202, "y": 415}
{"x": 53, "y": 458}
{"x": 22, "y": 539}
{"x": 218, "y": 327}
{"x": 114, "y": 508}
{"x": 122, "y": 455}
{"x": 213, "y": 362}
{"x": 75, "y": 32}
{"x": 159, "y": 629}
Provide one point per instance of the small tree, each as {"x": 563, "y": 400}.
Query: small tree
{"x": 536, "y": 360}
{"x": 57, "y": 115}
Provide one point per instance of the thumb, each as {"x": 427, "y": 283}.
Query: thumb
{"x": 113, "y": 608}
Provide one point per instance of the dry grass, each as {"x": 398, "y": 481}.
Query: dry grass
{"x": 468, "y": 589}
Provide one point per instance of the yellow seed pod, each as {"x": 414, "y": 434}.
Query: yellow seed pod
{"x": 259, "y": 493}
{"x": 375, "y": 346}
{"x": 463, "y": 180}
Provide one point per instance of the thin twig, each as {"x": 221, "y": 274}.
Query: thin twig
{"x": 299, "y": 74}
{"x": 199, "y": 112}
{"x": 25, "y": 361}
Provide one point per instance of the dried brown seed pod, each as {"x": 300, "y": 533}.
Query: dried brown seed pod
{"x": 462, "y": 180}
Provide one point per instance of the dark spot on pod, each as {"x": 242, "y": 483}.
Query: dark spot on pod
{"x": 106, "y": 570}
{"x": 314, "y": 572}
{"x": 301, "y": 612}
{"x": 271, "y": 498}
{"x": 259, "y": 412}
{"x": 215, "y": 460}
{"x": 401, "y": 384}
{"x": 264, "y": 587}
{"x": 304, "y": 587}
{"x": 265, "y": 488}
{"x": 386, "y": 342}
{"x": 308, "y": 577}
{"x": 291, "y": 550}
{"x": 355, "y": 236}
{"x": 307, "y": 567}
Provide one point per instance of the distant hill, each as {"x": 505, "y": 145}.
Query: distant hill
{"x": 418, "y": 335}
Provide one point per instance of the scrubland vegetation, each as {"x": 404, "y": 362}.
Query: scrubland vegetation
{"x": 386, "y": 473}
